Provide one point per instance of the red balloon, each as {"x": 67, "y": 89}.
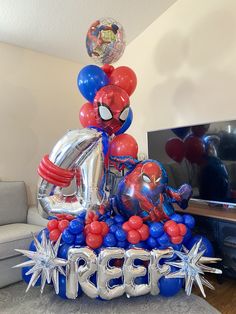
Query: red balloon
{"x": 96, "y": 227}
{"x": 176, "y": 240}
{"x": 182, "y": 229}
{"x": 144, "y": 232}
{"x": 135, "y": 222}
{"x": 63, "y": 224}
{"x": 126, "y": 227}
{"x": 169, "y": 223}
{"x": 87, "y": 229}
{"x": 200, "y": 130}
{"x": 123, "y": 145}
{"x": 105, "y": 228}
{"x": 54, "y": 234}
{"x": 173, "y": 230}
{"x": 94, "y": 241}
{"x": 87, "y": 115}
{"x": 194, "y": 149}
{"x": 125, "y": 78}
{"x": 175, "y": 149}
{"x": 108, "y": 69}
{"x": 133, "y": 237}
{"x": 52, "y": 224}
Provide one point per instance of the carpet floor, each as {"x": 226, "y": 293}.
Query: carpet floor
{"x": 13, "y": 299}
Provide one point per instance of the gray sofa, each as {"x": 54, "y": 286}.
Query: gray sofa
{"x": 17, "y": 222}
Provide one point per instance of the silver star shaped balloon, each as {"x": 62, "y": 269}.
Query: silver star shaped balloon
{"x": 192, "y": 268}
{"x": 44, "y": 262}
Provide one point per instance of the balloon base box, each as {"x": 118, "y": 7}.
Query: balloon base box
{"x": 98, "y": 276}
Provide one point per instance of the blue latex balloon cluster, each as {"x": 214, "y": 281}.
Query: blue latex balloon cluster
{"x": 73, "y": 234}
{"x": 116, "y": 237}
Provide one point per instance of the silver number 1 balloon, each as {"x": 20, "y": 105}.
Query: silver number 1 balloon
{"x": 78, "y": 150}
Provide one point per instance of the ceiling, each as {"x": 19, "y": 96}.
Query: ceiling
{"x": 59, "y": 27}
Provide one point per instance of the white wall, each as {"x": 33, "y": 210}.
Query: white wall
{"x": 39, "y": 101}
{"x": 186, "y": 67}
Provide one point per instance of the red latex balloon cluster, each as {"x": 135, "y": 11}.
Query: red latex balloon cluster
{"x": 95, "y": 231}
{"x": 176, "y": 231}
{"x": 136, "y": 230}
{"x": 57, "y": 226}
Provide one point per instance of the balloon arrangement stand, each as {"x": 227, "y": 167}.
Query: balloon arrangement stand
{"x": 117, "y": 232}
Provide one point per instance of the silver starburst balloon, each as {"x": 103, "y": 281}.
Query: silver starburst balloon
{"x": 44, "y": 262}
{"x": 192, "y": 268}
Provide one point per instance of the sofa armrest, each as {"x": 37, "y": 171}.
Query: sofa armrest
{"x": 34, "y": 218}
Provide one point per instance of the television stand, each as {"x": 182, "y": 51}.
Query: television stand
{"x": 204, "y": 210}
{"x": 218, "y": 224}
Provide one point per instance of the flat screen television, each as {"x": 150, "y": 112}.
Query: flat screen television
{"x": 203, "y": 156}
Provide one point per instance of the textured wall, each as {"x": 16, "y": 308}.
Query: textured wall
{"x": 186, "y": 67}
{"x": 39, "y": 101}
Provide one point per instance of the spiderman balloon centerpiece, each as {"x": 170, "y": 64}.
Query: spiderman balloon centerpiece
{"x": 112, "y": 227}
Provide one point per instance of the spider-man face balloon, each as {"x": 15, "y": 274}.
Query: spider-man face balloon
{"x": 111, "y": 105}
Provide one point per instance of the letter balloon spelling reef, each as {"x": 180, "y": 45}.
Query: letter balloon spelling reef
{"x": 112, "y": 228}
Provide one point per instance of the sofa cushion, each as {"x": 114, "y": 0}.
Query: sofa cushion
{"x": 13, "y": 202}
{"x": 15, "y": 236}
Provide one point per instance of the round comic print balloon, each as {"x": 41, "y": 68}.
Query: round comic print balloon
{"x": 105, "y": 41}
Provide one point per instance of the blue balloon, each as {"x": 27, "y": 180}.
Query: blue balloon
{"x": 152, "y": 243}
{"x": 181, "y": 132}
{"x": 156, "y": 229}
{"x": 141, "y": 280}
{"x": 63, "y": 250}
{"x": 32, "y": 246}
{"x": 119, "y": 219}
{"x": 189, "y": 221}
{"x": 141, "y": 245}
{"x": 51, "y": 218}
{"x": 68, "y": 237}
{"x": 205, "y": 245}
{"x": 90, "y": 79}
{"x": 109, "y": 240}
{"x": 126, "y": 124}
{"x": 113, "y": 228}
{"x": 110, "y": 222}
{"x": 39, "y": 236}
{"x": 80, "y": 239}
{"x": 122, "y": 244}
{"x": 164, "y": 240}
{"x": 27, "y": 278}
{"x": 75, "y": 226}
{"x": 82, "y": 214}
{"x": 177, "y": 218}
{"x": 120, "y": 235}
{"x": 170, "y": 286}
{"x": 115, "y": 282}
{"x": 187, "y": 237}
{"x": 62, "y": 286}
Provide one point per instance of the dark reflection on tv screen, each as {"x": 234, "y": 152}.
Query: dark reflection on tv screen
{"x": 202, "y": 155}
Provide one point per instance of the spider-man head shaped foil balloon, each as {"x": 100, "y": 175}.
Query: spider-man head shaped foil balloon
{"x": 144, "y": 191}
{"x": 111, "y": 105}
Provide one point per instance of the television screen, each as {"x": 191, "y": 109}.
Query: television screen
{"x": 202, "y": 155}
